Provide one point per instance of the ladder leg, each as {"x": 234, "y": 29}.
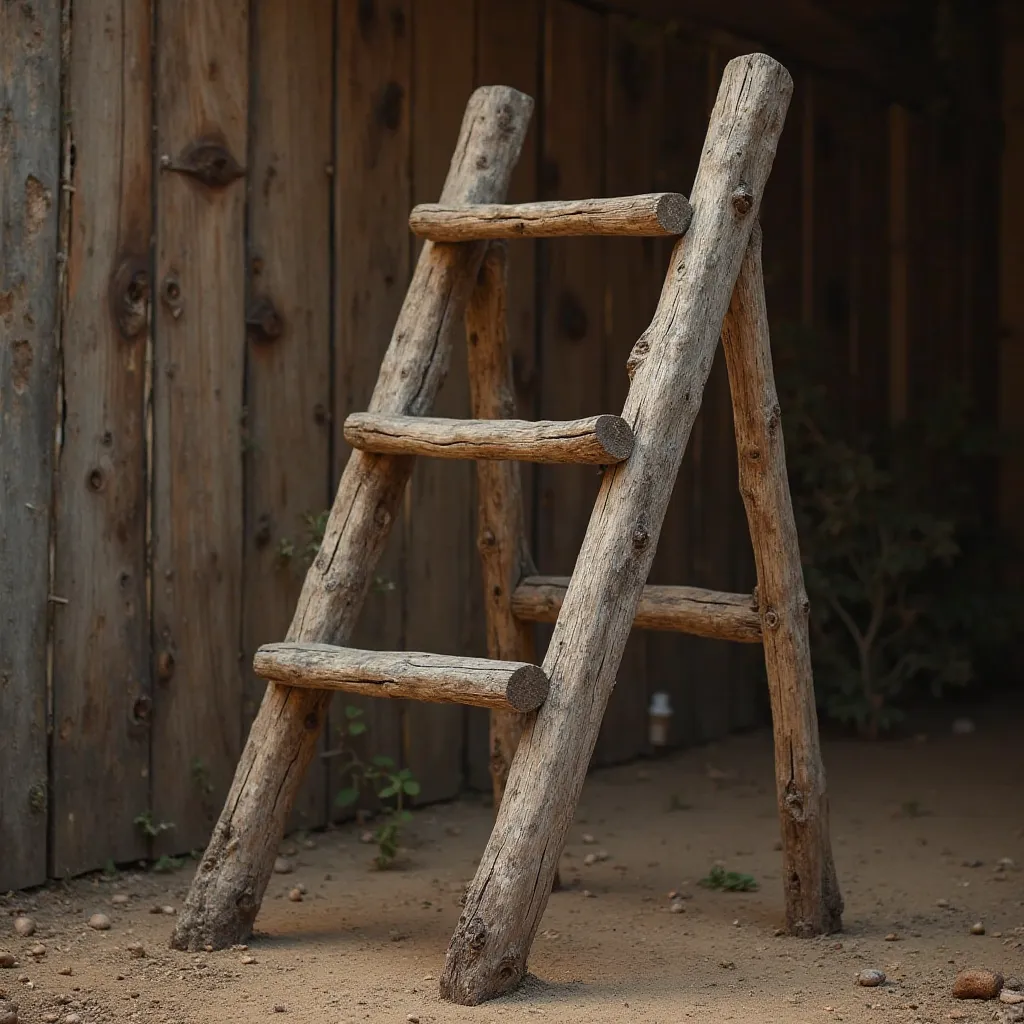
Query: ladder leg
{"x": 225, "y": 895}
{"x": 671, "y": 362}
{"x": 813, "y": 901}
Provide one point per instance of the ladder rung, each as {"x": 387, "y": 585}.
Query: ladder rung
{"x": 600, "y": 440}
{"x": 707, "y": 613}
{"x": 652, "y": 215}
{"x": 440, "y": 678}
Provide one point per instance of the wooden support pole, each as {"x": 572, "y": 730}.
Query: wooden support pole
{"x": 813, "y": 901}
{"x": 707, "y": 613}
{"x": 510, "y": 686}
{"x": 501, "y": 521}
{"x": 597, "y": 440}
{"x": 670, "y": 363}
{"x": 233, "y": 875}
{"x": 654, "y": 215}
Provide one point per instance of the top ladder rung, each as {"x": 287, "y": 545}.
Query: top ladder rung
{"x": 653, "y": 215}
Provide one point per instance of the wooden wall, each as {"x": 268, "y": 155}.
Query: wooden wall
{"x": 216, "y": 320}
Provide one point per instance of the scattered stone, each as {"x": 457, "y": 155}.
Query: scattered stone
{"x": 100, "y": 922}
{"x": 1005, "y": 864}
{"x": 290, "y": 850}
{"x": 23, "y": 978}
{"x": 66, "y": 971}
{"x": 279, "y": 1009}
{"x": 283, "y": 866}
{"x": 412, "y": 1018}
{"x": 8, "y": 960}
{"x": 137, "y": 950}
{"x": 892, "y": 937}
{"x": 977, "y": 984}
{"x": 169, "y": 911}
{"x": 590, "y": 859}
{"x": 248, "y": 960}
{"x": 50, "y": 1018}
{"x": 588, "y": 839}
{"x": 602, "y": 855}
{"x": 779, "y": 933}
{"x": 8, "y": 1012}
{"x": 944, "y": 904}
{"x": 588, "y": 894}
{"x": 677, "y": 906}
{"x": 37, "y": 950}
{"x": 977, "y": 928}
{"x": 1008, "y": 996}
{"x": 119, "y": 900}
{"x": 1013, "y": 983}
{"x": 24, "y": 926}
{"x": 72, "y": 1018}
{"x": 871, "y": 978}
{"x": 366, "y": 837}
{"x": 309, "y": 844}
{"x": 295, "y": 895}
{"x": 972, "y": 863}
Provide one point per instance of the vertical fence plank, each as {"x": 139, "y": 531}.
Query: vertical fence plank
{"x": 29, "y": 196}
{"x": 202, "y": 96}
{"x": 288, "y": 352}
{"x": 899, "y": 183}
{"x": 101, "y": 670}
{"x": 442, "y": 577}
{"x": 508, "y": 53}
{"x": 572, "y": 349}
{"x": 372, "y": 252}
{"x": 634, "y": 273}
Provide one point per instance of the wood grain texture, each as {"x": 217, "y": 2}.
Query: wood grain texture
{"x": 652, "y": 215}
{"x": 708, "y": 613}
{"x": 813, "y": 901}
{"x": 199, "y": 355}
{"x": 373, "y": 193}
{"x": 509, "y": 50}
{"x": 30, "y": 147}
{"x": 101, "y": 667}
{"x": 501, "y": 521}
{"x": 597, "y": 440}
{"x": 509, "y": 686}
{"x": 288, "y": 370}
{"x": 441, "y": 568}
{"x": 233, "y": 875}
{"x": 670, "y": 365}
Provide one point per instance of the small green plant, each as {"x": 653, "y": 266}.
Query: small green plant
{"x": 316, "y": 526}
{"x": 381, "y": 777}
{"x": 201, "y": 777}
{"x": 150, "y": 829}
{"x": 110, "y": 868}
{"x": 728, "y": 881}
{"x": 164, "y": 864}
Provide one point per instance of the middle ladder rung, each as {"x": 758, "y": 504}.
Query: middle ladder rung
{"x": 599, "y": 440}
{"x": 708, "y": 613}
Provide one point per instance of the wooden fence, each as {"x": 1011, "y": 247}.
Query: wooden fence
{"x": 216, "y": 237}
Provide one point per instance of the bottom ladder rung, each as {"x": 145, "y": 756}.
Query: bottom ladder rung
{"x": 440, "y": 678}
{"x": 707, "y": 613}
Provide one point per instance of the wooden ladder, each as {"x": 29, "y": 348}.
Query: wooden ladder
{"x": 549, "y": 716}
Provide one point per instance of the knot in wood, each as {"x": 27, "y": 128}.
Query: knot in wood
{"x": 264, "y": 321}
{"x": 164, "y": 666}
{"x": 129, "y": 298}
{"x": 312, "y": 720}
{"x": 95, "y": 480}
{"x": 743, "y": 200}
{"x": 640, "y": 537}
{"x": 210, "y": 162}
{"x": 771, "y": 619}
{"x": 476, "y": 934}
{"x": 754, "y": 454}
{"x": 487, "y": 538}
{"x": 170, "y": 294}
{"x": 141, "y": 708}
{"x": 381, "y": 517}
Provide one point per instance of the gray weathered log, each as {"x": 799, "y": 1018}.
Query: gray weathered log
{"x": 504, "y": 904}
{"x": 598, "y": 440}
{"x": 693, "y": 610}
{"x": 511, "y": 686}
{"x": 501, "y": 521}
{"x": 813, "y": 900}
{"x": 653, "y": 215}
{"x": 232, "y": 877}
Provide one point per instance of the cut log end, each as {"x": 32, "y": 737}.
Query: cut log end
{"x": 527, "y": 688}
{"x": 674, "y": 213}
{"x": 616, "y": 437}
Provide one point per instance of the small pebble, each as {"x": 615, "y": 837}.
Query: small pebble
{"x": 23, "y": 978}
{"x": 677, "y": 907}
{"x": 412, "y": 1018}
{"x": 290, "y": 850}
{"x": 119, "y": 900}
{"x": 366, "y": 837}
{"x": 942, "y": 903}
{"x": 24, "y": 926}
{"x": 977, "y": 928}
{"x": 279, "y": 1008}
{"x": 37, "y": 950}
{"x": 167, "y": 910}
{"x": 590, "y": 859}
{"x": 100, "y": 922}
{"x": 1007, "y": 996}
{"x": 588, "y": 894}
{"x": 66, "y": 971}
{"x": 137, "y": 950}
{"x": 8, "y": 1012}
{"x": 977, "y": 985}
{"x": 1014, "y": 983}
{"x": 588, "y": 839}
{"x": 602, "y": 855}
{"x": 283, "y": 866}
{"x": 72, "y": 1018}
{"x": 248, "y": 959}
{"x": 309, "y": 844}
{"x": 8, "y": 960}
{"x": 50, "y": 1018}
{"x": 295, "y": 895}
{"x": 871, "y": 978}
{"x": 892, "y": 937}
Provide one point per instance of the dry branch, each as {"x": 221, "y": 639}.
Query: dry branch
{"x": 654, "y": 215}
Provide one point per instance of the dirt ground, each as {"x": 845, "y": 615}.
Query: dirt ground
{"x": 922, "y": 828}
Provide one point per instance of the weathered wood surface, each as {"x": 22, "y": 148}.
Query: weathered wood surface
{"x": 373, "y": 265}
{"x": 226, "y": 893}
{"x": 197, "y": 403}
{"x": 509, "y": 50}
{"x": 439, "y": 591}
{"x": 595, "y": 440}
{"x": 670, "y": 364}
{"x": 813, "y": 901}
{"x": 30, "y": 170}
{"x": 501, "y": 522}
{"x": 652, "y": 215}
{"x": 440, "y": 678}
{"x": 287, "y": 352}
{"x": 707, "y": 613}
{"x": 101, "y": 665}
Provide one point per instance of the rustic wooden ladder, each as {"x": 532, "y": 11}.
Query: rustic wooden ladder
{"x": 549, "y": 716}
